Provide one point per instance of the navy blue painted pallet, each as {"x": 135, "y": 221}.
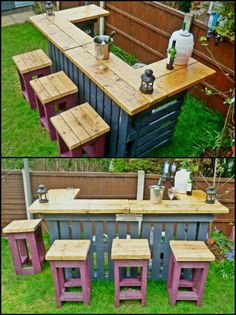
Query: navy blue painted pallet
{"x": 129, "y": 136}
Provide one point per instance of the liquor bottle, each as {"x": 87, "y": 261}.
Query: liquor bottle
{"x": 171, "y": 56}
{"x": 189, "y": 186}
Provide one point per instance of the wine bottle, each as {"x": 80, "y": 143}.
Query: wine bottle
{"x": 171, "y": 56}
{"x": 189, "y": 186}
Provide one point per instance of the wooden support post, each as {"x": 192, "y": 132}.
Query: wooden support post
{"x": 27, "y": 187}
{"x": 140, "y": 191}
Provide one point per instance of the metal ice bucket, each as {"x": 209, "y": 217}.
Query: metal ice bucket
{"x": 103, "y": 42}
{"x": 156, "y": 193}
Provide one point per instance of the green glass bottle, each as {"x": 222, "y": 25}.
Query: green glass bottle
{"x": 171, "y": 56}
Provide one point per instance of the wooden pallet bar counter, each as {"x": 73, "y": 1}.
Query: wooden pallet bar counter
{"x": 101, "y": 220}
{"x": 139, "y": 122}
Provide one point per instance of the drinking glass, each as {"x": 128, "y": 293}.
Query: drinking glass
{"x": 171, "y": 193}
{"x": 100, "y": 54}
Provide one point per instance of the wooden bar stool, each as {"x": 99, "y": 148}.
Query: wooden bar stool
{"x": 54, "y": 93}
{"x": 70, "y": 254}
{"x": 17, "y": 233}
{"x": 188, "y": 254}
{"x": 80, "y": 129}
{"x": 130, "y": 253}
{"x": 30, "y": 64}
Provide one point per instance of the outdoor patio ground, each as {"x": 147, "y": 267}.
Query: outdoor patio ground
{"x": 197, "y": 127}
{"x": 35, "y": 294}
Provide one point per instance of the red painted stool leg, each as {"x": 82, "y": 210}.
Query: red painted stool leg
{"x": 34, "y": 252}
{"x": 71, "y": 101}
{"x": 97, "y": 148}
{"x": 170, "y": 273}
{"x": 49, "y": 112}
{"x": 15, "y": 254}
{"x": 27, "y": 77}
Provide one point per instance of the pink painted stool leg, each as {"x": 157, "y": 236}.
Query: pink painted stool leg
{"x": 170, "y": 272}
{"x": 88, "y": 277}
{"x": 41, "y": 246}
{"x": 175, "y": 283}
{"x": 22, "y": 83}
{"x": 84, "y": 283}
{"x": 34, "y": 252}
{"x": 61, "y": 279}
{"x": 57, "y": 284}
{"x": 15, "y": 254}
{"x": 195, "y": 277}
{"x": 117, "y": 284}
{"x": 201, "y": 284}
{"x": 144, "y": 282}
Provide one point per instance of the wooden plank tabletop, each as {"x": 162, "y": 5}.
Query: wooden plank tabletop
{"x": 197, "y": 195}
{"x": 118, "y": 80}
{"x": 101, "y": 206}
{"x": 55, "y": 195}
{"x": 176, "y": 206}
{"x": 83, "y": 13}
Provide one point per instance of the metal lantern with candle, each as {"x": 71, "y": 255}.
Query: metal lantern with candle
{"x": 49, "y": 8}
{"x": 43, "y": 196}
{"x": 210, "y": 195}
{"x": 147, "y": 81}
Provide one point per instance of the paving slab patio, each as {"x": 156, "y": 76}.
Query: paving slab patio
{"x": 16, "y": 18}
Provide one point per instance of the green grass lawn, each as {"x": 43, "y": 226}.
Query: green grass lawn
{"x": 34, "y": 294}
{"x": 22, "y": 134}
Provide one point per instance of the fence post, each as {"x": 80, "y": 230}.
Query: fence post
{"x": 140, "y": 192}
{"x": 27, "y": 187}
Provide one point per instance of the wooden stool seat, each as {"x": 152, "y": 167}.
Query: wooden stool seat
{"x": 31, "y": 64}
{"x": 70, "y": 254}
{"x": 191, "y": 251}
{"x": 130, "y": 253}
{"x": 32, "y": 60}
{"x": 18, "y": 232}
{"x": 54, "y": 93}
{"x": 130, "y": 249}
{"x": 20, "y": 226}
{"x": 68, "y": 250}
{"x": 77, "y": 128}
{"x": 53, "y": 87}
{"x": 193, "y": 255}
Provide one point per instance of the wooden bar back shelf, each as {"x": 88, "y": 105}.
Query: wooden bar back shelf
{"x": 31, "y": 64}
{"x": 130, "y": 253}
{"x": 54, "y": 90}
{"x": 17, "y": 233}
{"x": 70, "y": 254}
{"x": 80, "y": 129}
{"x": 193, "y": 255}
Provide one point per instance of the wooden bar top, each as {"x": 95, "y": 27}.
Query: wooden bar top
{"x": 118, "y": 80}
{"x": 194, "y": 204}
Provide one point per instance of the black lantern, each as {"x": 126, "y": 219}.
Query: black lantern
{"x": 210, "y": 195}
{"x": 147, "y": 82}
{"x": 42, "y": 191}
{"x": 49, "y": 8}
